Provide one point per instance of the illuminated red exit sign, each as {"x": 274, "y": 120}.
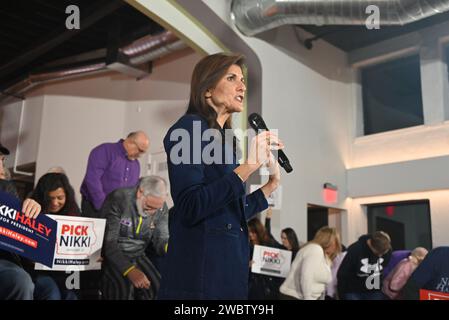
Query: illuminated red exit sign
{"x": 330, "y": 193}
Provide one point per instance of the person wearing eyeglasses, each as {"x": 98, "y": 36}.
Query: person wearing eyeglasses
{"x": 135, "y": 219}
{"x": 111, "y": 166}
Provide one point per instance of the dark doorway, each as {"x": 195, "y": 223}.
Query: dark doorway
{"x": 317, "y": 217}
{"x": 395, "y": 229}
{"x": 407, "y": 223}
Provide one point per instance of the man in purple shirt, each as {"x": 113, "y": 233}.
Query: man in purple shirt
{"x": 111, "y": 166}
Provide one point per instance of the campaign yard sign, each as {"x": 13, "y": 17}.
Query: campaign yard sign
{"x": 31, "y": 238}
{"x": 78, "y": 244}
{"x": 271, "y": 261}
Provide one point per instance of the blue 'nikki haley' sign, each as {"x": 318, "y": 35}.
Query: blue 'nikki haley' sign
{"x": 31, "y": 238}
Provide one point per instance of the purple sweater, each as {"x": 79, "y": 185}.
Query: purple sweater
{"x": 108, "y": 169}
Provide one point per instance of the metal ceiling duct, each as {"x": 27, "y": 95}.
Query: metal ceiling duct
{"x": 148, "y": 43}
{"x": 140, "y": 51}
{"x": 20, "y": 88}
{"x": 157, "y": 52}
{"x": 151, "y": 47}
{"x": 255, "y": 16}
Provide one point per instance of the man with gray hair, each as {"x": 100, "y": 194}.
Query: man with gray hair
{"x": 135, "y": 219}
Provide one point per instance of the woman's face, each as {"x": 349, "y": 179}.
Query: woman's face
{"x": 57, "y": 200}
{"x": 252, "y": 236}
{"x": 332, "y": 248}
{"x": 285, "y": 241}
{"x": 229, "y": 92}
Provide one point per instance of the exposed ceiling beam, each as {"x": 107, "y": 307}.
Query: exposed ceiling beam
{"x": 116, "y": 60}
{"x": 23, "y": 22}
{"x": 82, "y": 57}
{"x": 97, "y": 12}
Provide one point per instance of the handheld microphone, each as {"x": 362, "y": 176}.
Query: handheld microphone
{"x": 257, "y": 123}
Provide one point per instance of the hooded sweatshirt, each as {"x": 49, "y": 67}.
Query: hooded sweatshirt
{"x": 361, "y": 270}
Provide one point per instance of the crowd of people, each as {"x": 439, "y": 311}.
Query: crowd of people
{"x": 369, "y": 269}
{"x": 137, "y": 219}
{"x": 206, "y": 240}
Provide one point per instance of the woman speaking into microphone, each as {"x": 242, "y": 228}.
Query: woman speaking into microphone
{"x": 208, "y": 249}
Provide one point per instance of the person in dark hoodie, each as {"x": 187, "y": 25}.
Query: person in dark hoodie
{"x": 432, "y": 274}
{"x": 360, "y": 274}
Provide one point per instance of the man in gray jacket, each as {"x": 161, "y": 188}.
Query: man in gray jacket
{"x": 135, "y": 218}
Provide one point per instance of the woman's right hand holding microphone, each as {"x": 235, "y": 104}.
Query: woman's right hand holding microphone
{"x": 260, "y": 154}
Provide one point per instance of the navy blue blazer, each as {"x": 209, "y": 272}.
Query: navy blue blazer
{"x": 208, "y": 249}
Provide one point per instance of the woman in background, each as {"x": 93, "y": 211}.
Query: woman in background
{"x": 56, "y": 196}
{"x": 289, "y": 238}
{"x": 261, "y": 286}
{"x": 311, "y": 269}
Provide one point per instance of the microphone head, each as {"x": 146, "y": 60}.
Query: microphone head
{"x": 256, "y": 122}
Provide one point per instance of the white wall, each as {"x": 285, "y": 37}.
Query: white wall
{"x": 413, "y": 143}
{"x": 314, "y": 98}
{"x": 410, "y": 163}
{"x": 71, "y": 127}
{"x": 154, "y": 117}
{"x": 170, "y": 79}
{"x": 306, "y": 96}
{"x": 311, "y": 96}
{"x": 439, "y": 204}
{"x": 401, "y": 177}
{"x": 29, "y": 134}
{"x": 310, "y": 110}
{"x": 66, "y": 119}
{"x": 10, "y": 118}
{"x": 420, "y": 142}
{"x": 156, "y": 102}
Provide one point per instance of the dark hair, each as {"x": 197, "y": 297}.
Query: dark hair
{"x": 254, "y": 225}
{"x": 207, "y": 73}
{"x": 292, "y": 238}
{"x": 381, "y": 241}
{"x": 50, "y": 182}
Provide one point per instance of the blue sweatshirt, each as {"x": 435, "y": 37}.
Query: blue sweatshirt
{"x": 433, "y": 272}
